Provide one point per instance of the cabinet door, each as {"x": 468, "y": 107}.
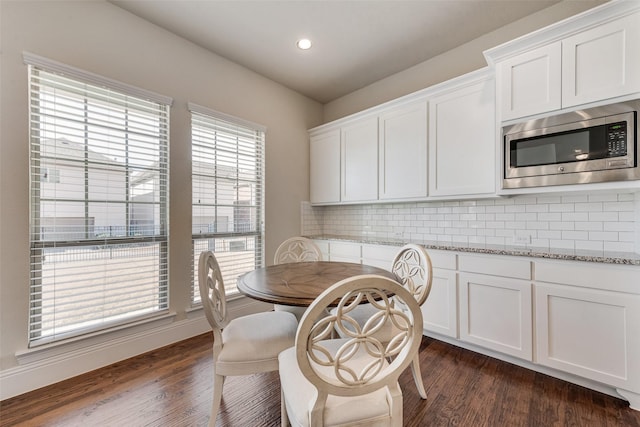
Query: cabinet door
{"x": 324, "y": 151}
{"x": 360, "y": 161}
{"x": 495, "y": 313}
{"x": 462, "y": 144}
{"x": 602, "y": 63}
{"x": 588, "y": 332}
{"x": 530, "y": 83}
{"x": 440, "y": 310}
{"x": 403, "y": 152}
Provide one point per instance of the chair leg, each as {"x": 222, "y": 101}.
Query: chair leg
{"x": 218, "y": 382}
{"x": 417, "y": 376}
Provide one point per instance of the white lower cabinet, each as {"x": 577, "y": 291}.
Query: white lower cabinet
{"x": 495, "y": 312}
{"x": 577, "y": 320}
{"x": 495, "y": 304}
{"x": 440, "y": 310}
{"x": 590, "y": 332}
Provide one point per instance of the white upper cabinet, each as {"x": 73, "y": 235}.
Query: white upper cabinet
{"x": 530, "y": 83}
{"x": 324, "y": 151}
{"x": 590, "y": 58}
{"x": 602, "y": 63}
{"x": 402, "y": 149}
{"x": 462, "y": 145}
{"x": 360, "y": 160}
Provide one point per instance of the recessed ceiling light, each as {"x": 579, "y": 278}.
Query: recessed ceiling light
{"x": 303, "y": 44}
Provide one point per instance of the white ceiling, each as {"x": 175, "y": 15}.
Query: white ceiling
{"x": 356, "y": 42}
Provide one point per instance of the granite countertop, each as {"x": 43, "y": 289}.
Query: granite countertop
{"x": 608, "y": 257}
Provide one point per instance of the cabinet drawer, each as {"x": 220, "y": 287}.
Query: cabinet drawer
{"x": 442, "y": 259}
{"x": 344, "y": 251}
{"x": 380, "y": 252}
{"x": 496, "y": 265}
{"x": 379, "y": 255}
{"x": 622, "y": 278}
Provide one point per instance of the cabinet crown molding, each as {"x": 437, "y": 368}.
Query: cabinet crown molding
{"x": 425, "y": 94}
{"x": 599, "y": 15}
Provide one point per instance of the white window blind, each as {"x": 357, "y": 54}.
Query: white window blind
{"x": 99, "y": 202}
{"x": 227, "y": 189}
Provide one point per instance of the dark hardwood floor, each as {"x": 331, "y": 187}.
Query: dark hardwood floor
{"x": 172, "y": 387}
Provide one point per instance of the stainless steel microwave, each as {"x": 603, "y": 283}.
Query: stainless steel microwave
{"x": 591, "y": 145}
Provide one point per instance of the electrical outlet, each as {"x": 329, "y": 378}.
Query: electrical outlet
{"x": 522, "y": 239}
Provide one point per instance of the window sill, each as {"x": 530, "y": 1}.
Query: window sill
{"x": 92, "y": 341}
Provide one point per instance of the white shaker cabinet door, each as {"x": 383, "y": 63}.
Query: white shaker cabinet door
{"x": 530, "y": 83}
{"x": 403, "y": 152}
{"x": 601, "y": 63}
{"x": 591, "y": 333}
{"x": 495, "y": 313}
{"x": 324, "y": 150}
{"x": 360, "y": 161}
{"x": 462, "y": 144}
{"x": 440, "y": 310}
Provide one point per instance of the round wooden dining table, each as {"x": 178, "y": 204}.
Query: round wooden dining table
{"x": 299, "y": 283}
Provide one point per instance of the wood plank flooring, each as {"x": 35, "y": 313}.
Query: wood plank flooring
{"x": 172, "y": 387}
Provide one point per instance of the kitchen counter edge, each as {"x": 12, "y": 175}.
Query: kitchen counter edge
{"x": 624, "y": 258}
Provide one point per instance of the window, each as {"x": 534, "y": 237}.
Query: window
{"x": 227, "y": 188}
{"x": 98, "y": 219}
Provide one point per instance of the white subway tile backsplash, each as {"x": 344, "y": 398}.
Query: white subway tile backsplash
{"x": 618, "y": 207}
{"x": 562, "y": 244}
{"x": 605, "y": 216}
{"x": 575, "y": 216}
{"x": 562, "y": 207}
{"x": 588, "y": 207}
{"x": 619, "y": 226}
{"x": 589, "y": 245}
{"x": 575, "y": 235}
{"x": 589, "y": 226}
{"x": 555, "y": 216}
{"x": 593, "y": 221}
{"x": 603, "y": 197}
{"x": 575, "y": 198}
{"x": 618, "y": 246}
{"x": 565, "y": 225}
{"x": 607, "y": 236}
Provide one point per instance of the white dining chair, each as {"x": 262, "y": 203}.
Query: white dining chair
{"x": 296, "y": 249}
{"x": 351, "y": 380}
{"x": 245, "y": 345}
{"x": 413, "y": 269}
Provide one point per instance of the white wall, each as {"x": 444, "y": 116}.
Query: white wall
{"x": 99, "y": 37}
{"x": 456, "y": 62}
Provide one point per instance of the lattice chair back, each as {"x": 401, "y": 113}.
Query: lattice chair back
{"x": 297, "y": 249}
{"x": 359, "y": 363}
{"x": 412, "y": 266}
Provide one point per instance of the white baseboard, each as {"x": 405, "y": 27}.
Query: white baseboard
{"x": 565, "y": 376}
{"x": 79, "y": 360}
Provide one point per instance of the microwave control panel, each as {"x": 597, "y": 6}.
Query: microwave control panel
{"x": 617, "y": 139}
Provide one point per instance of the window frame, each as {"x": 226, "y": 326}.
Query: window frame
{"x": 157, "y": 239}
{"x": 230, "y": 271}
